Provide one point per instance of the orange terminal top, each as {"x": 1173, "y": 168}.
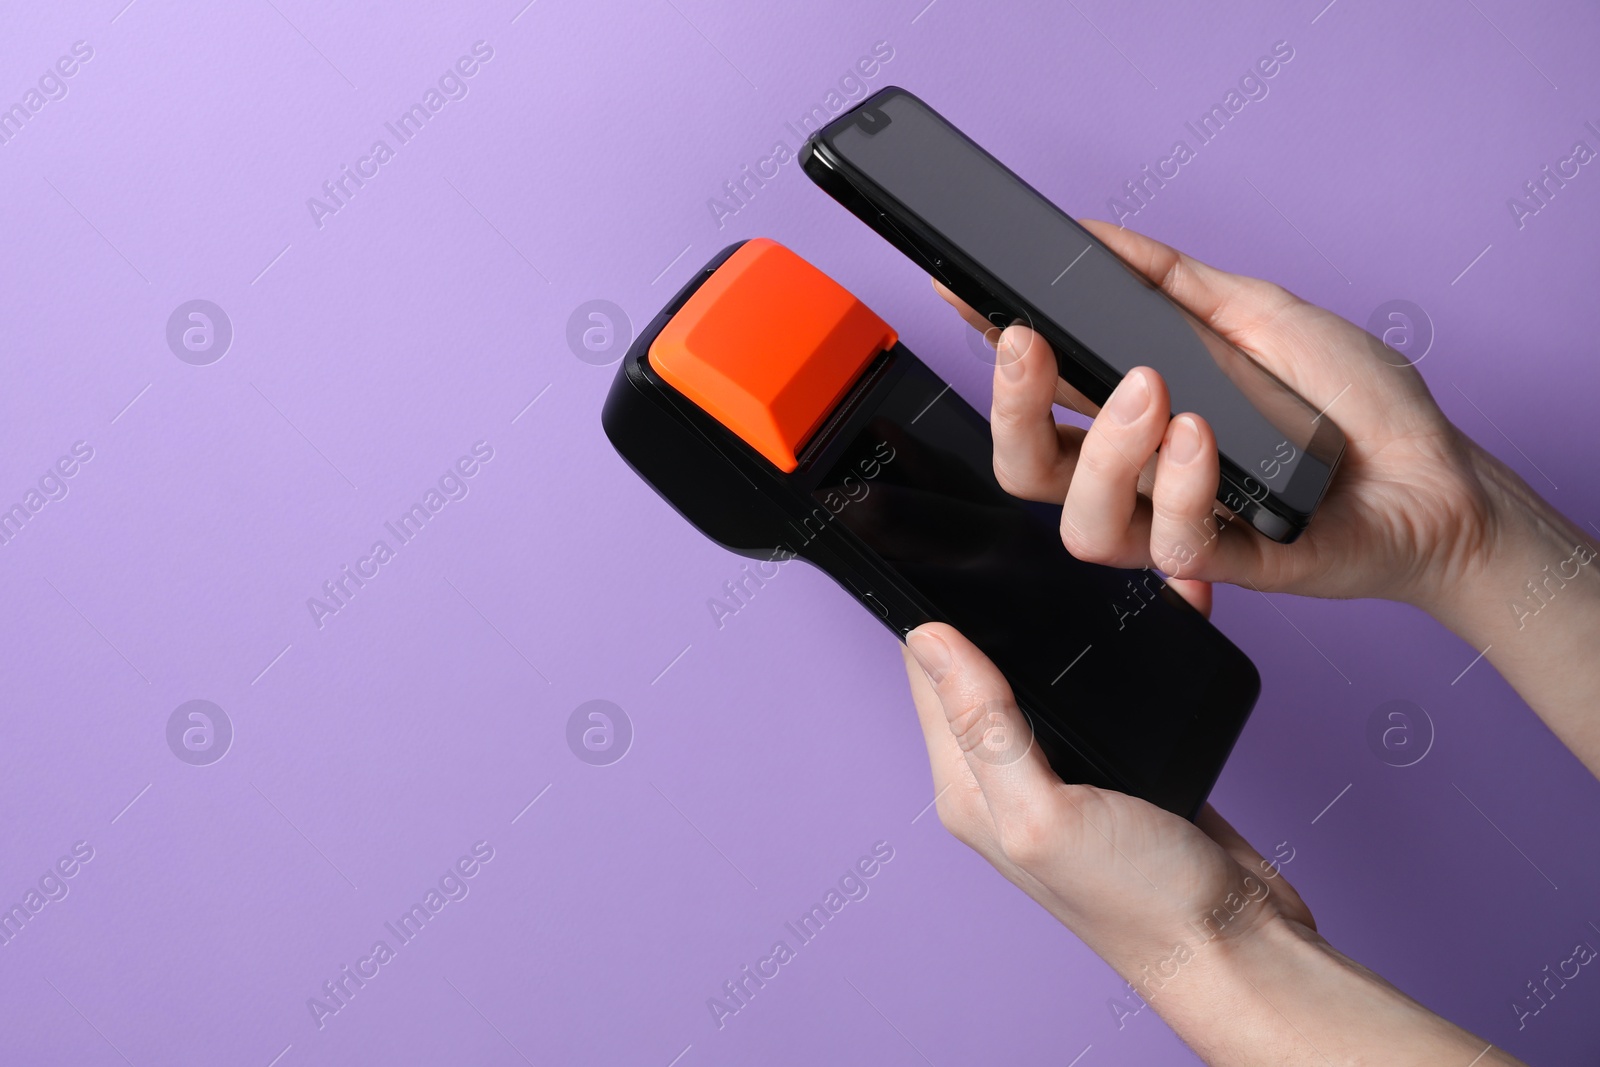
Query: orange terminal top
{"x": 767, "y": 346}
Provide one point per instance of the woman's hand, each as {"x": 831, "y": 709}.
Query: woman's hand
{"x": 1129, "y": 878}
{"x": 1208, "y": 933}
{"x": 1410, "y": 514}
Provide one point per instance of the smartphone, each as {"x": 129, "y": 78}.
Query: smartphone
{"x": 1014, "y": 256}
{"x": 785, "y": 420}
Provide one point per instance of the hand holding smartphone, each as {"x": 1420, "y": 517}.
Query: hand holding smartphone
{"x": 1014, "y": 256}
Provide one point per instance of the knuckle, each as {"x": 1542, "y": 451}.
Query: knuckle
{"x": 1100, "y": 463}
{"x": 974, "y": 726}
{"x": 1003, "y": 475}
{"x": 1172, "y": 277}
{"x": 1264, "y": 305}
{"x": 1178, "y": 559}
{"x": 1082, "y": 543}
{"x": 1019, "y": 479}
{"x": 1164, "y": 518}
{"x": 954, "y": 821}
{"x": 1026, "y": 841}
{"x": 1171, "y": 533}
{"x": 951, "y": 819}
{"x": 1273, "y": 298}
{"x": 1005, "y": 414}
{"x": 956, "y": 816}
{"x": 1017, "y": 409}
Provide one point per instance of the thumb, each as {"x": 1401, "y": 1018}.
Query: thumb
{"x": 983, "y": 716}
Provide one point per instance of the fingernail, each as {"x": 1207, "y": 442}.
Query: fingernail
{"x": 1184, "y": 441}
{"x": 1009, "y": 357}
{"x": 1129, "y": 399}
{"x": 931, "y": 653}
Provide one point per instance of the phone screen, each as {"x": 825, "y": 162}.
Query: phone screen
{"x": 981, "y": 208}
{"x": 1111, "y": 656}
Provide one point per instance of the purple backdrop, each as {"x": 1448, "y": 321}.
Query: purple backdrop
{"x": 228, "y": 458}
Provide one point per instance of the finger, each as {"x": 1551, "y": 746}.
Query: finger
{"x": 1235, "y": 305}
{"x": 982, "y": 716}
{"x": 1304, "y": 345}
{"x": 956, "y": 795}
{"x": 1033, "y": 457}
{"x": 1313, "y": 351}
{"x": 1066, "y": 396}
{"x": 975, "y": 320}
{"x": 1191, "y": 535}
{"x": 944, "y": 755}
{"x": 1183, "y": 522}
{"x": 1102, "y": 520}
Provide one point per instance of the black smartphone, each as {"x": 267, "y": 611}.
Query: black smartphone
{"x": 883, "y": 478}
{"x": 1014, "y": 256}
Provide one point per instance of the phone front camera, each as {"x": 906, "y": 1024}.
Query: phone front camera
{"x": 872, "y": 120}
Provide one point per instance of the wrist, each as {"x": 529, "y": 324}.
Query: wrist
{"x": 1281, "y": 994}
{"x": 1504, "y": 537}
{"x": 1215, "y": 997}
{"x": 1527, "y": 600}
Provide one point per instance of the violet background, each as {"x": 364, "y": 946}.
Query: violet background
{"x": 415, "y": 322}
